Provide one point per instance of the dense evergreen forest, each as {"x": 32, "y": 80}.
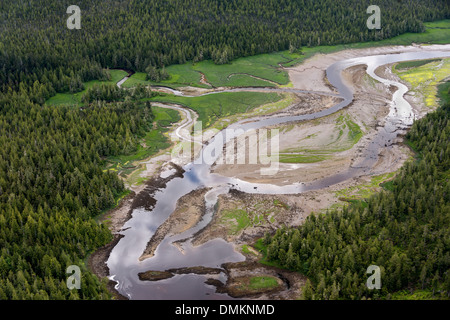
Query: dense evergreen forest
{"x": 38, "y": 50}
{"x": 404, "y": 230}
{"x": 51, "y": 180}
{"x": 52, "y": 185}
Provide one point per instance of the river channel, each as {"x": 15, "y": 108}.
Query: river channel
{"x": 124, "y": 263}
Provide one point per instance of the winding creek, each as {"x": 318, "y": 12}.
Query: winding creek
{"x": 124, "y": 263}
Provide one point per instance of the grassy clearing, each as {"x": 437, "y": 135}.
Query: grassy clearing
{"x": 284, "y": 101}
{"x": 413, "y": 64}
{"x": 258, "y": 213}
{"x": 181, "y": 75}
{"x": 265, "y": 282}
{"x": 213, "y": 107}
{"x": 139, "y": 78}
{"x": 135, "y": 79}
{"x": 364, "y": 191}
{"x": 425, "y": 78}
{"x": 247, "y": 250}
{"x": 244, "y": 80}
{"x": 75, "y": 98}
{"x": 116, "y": 76}
{"x": 238, "y": 73}
{"x": 238, "y": 220}
{"x": 263, "y": 66}
{"x": 246, "y": 285}
{"x": 65, "y": 99}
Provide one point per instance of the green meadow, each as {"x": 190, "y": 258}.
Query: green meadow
{"x": 364, "y": 190}
{"x": 210, "y": 108}
{"x": 263, "y": 282}
{"x": 237, "y": 220}
{"x": 424, "y": 78}
{"x": 180, "y": 75}
{"x": 239, "y": 72}
{"x": 413, "y": 64}
{"x": 255, "y": 71}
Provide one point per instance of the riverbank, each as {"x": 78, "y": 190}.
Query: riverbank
{"x": 362, "y": 110}
{"x": 116, "y": 219}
